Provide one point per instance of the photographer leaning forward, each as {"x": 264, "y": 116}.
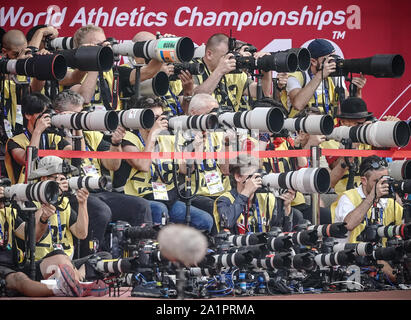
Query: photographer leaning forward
{"x": 315, "y": 87}
{"x": 368, "y": 204}
{"x": 96, "y": 86}
{"x": 228, "y": 88}
{"x": 103, "y": 206}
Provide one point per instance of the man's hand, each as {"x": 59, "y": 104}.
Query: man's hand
{"x": 118, "y": 135}
{"x": 160, "y": 125}
{"x": 287, "y": 197}
{"x": 50, "y": 31}
{"x": 314, "y": 140}
{"x": 390, "y": 118}
{"x": 42, "y": 123}
{"x": 47, "y": 210}
{"x": 282, "y": 78}
{"x": 380, "y": 189}
{"x": 328, "y": 67}
{"x": 82, "y": 195}
{"x": 226, "y": 64}
{"x": 359, "y": 81}
{"x": 168, "y": 69}
{"x": 187, "y": 82}
{"x": 252, "y": 184}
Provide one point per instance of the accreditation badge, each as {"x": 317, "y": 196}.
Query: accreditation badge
{"x": 213, "y": 181}
{"x": 159, "y": 191}
{"x": 8, "y": 129}
{"x": 90, "y": 170}
{"x": 19, "y": 115}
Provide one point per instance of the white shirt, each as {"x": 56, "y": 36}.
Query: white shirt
{"x": 345, "y": 206}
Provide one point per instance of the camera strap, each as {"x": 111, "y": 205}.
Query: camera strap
{"x": 178, "y": 104}
{"x": 105, "y": 94}
{"x": 259, "y": 218}
{"x": 58, "y": 226}
{"x": 326, "y": 96}
{"x": 116, "y": 80}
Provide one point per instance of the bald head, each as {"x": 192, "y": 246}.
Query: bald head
{"x": 144, "y": 36}
{"x": 13, "y": 42}
{"x": 202, "y": 103}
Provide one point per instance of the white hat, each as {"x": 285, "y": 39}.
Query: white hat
{"x": 51, "y": 165}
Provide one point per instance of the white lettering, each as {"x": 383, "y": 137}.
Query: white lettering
{"x": 323, "y": 21}
{"x": 122, "y": 19}
{"x": 30, "y": 17}
{"x": 177, "y": 21}
{"x": 80, "y": 18}
{"x": 10, "y": 15}
{"x": 244, "y": 22}
{"x": 354, "y": 21}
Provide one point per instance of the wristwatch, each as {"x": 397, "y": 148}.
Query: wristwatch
{"x": 187, "y": 98}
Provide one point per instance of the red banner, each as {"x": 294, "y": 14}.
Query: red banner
{"x": 357, "y": 28}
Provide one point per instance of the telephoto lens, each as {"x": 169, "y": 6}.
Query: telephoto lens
{"x": 200, "y": 122}
{"x": 194, "y": 68}
{"x": 244, "y": 240}
{"x": 379, "y": 66}
{"x": 303, "y": 57}
{"x": 136, "y": 118}
{"x": 60, "y": 43}
{"x": 303, "y": 261}
{"x": 304, "y": 237}
{"x": 89, "y": 58}
{"x": 90, "y": 183}
{"x": 41, "y": 67}
{"x": 403, "y": 230}
{"x": 399, "y": 169}
{"x": 335, "y": 230}
{"x": 172, "y": 49}
{"x": 282, "y": 243}
{"x": 261, "y": 118}
{"x": 237, "y": 259}
{"x": 156, "y": 86}
{"x": 381, "y": 134}
{"x": 340, "y": 258}
{"x": 360, "y": 249}
{"x": 388, "y": 253}
{"x": 280, "y": 61}
{"x": 117, "y": 266}
{"x": 87, "y": 121}
{"x": 279, "y": 260}
{"x": 304, "y": 180}
{"x": 43, "y": 192}
{"x": 200, "y": 272}
{"x": 312, "y": 124}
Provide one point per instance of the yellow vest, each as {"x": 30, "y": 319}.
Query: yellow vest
{"x": 139, "y": 183}
{"x": 262, "y": 204}
{"x": 341, "y": 185}
{"x": 24, "y": 142}
{"x": 8, "y": 216}
{"x": 45, "y": 244}
{"x": 9, "y": 93}
{"x": 97, "y": 100}
{"x": 389, "y": 216}
{"x": 209, "y": 165}
{"x": 234, "y": 84}
{"x": 299, "y": 76}
{"x": 93, "y": 139}
{"x": 175, "y": 88}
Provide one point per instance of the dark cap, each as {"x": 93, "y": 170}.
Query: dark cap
{"x": 319, "y": 48}
{"x": 353, "y": 108}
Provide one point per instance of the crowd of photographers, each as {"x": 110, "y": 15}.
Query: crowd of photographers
{"x": 72, "y": 93}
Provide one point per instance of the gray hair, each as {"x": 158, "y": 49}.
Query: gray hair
{"x": 201, "y": 101}
{"x": 66, "y": 98}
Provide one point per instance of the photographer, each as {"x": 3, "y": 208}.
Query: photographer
{"x": 57, "y": 266}
{"x": 96, "y": 86}
{"x": 103, "y": 206}
{"x": 368, "y": 204}
{"x": 183, "y": 85}
{"x": 153, "y": 179}
{"x": 36, "y": 122}
{"x": 315, "y": 87}
{"x": 228, "y": 88}
{"x": 244, "y": 209}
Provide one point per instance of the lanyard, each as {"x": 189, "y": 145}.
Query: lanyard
{"x": 43, "y": 138}
{"x": 381, "y": 211}
{"x": 259, "y": 221}
{"x": 144, "y": 144}
{"x": 87, "y": 149}
{"x": 59, "y": 226}
{"x": 211, "y": 150}
{"x": 326, "y": 95}
{"x": 179, "y": 109}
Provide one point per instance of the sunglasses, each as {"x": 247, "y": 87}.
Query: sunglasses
{"x": 375, "y": 165}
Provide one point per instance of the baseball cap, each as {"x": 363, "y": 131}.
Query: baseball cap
{"x": 319, "y": 48}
